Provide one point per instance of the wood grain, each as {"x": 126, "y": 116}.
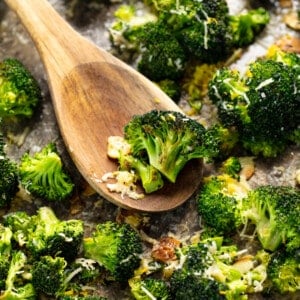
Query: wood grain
{"x": 94, "y": 95}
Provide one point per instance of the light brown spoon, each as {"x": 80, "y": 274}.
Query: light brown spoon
{"x": 94, "y": 96}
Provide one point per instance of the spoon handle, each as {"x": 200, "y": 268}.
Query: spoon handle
{"x": 59, "y": 45}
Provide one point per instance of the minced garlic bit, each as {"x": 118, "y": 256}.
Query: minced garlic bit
{"x": 125, "y": 184}
{"x": 116, "y": 145}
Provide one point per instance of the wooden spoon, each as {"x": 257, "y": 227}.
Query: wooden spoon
{"x": 94, "y": 95}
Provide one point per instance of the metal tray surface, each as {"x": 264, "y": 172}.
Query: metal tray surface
{"x": 91, "y": 21}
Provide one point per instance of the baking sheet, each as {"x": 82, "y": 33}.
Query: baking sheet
{"x": 91, "y": 22}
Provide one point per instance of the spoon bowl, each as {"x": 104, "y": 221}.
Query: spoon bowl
{"x": 94, "y": 95}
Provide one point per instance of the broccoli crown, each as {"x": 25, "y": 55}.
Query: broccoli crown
{"x": 247, "y": 25}
{"x": 230, "y": 273}
{"x": 187, "y": 286}
{"x": 227, "y": 90}
{"x": 48, "y": 275}
{"x": 190, "y": 281}
{"x": 9, "y": 177}
{"x": 43, "y": 174}
{"x": 48, "y": 235}
{"x": 177, "y": 33}
{"x": 149, "y": 288}
{"x": 19, "y": 91}
{"x": 207, "y": 41}
{"x": 19, "y": 223}
{"x": 115, "y": 246}
{"x": 263, "y": 104}
{"x": 201, "y": 28}
{"x": 44, "y": 234}
{"x": 275, "y": 212}
{"x": 219, "y": 203}
{"x": 169, "y": 140}
{"x": 272, "y": 89}
{"x": 162, "y": 56}
{"x": 284, "y": 271}
{"x": 128, "y": 25}
{"x": 15, "y": 287}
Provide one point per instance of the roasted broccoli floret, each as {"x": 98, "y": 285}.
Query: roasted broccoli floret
{"x": 43, "y": 174}
{"x": 19, "y": 91}
{"x": 5, "y": 253}
{"x": 169, "y": 140}
{"x": 210, "y": 270}
{"x": 284, "y": 271}
{"x": 16, "y": 286}
{"x": 219, "y": 203}
{"x": 19, "y": 223}
{"x": 263, "y": 105}
{"x": 227, "y": 90}
{"x": 180, "y": 33}
{"x": 187, "y": 286}
{"x": 162, "y": 56}
{"x": 50, "y": 236}
{"x": 44, "y": 234}
{"x": 116, "y": 247}
{"x": 274, "y": 210}
{"x": 49, "y": 275}
{"x": 126, "y": 29}
{"x": 247, "y": 25}
{"x": 149, "y": 288}
{"x": 9, "y": 182}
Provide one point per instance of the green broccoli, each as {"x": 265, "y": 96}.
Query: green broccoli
{"x": 9, "y": 182}
{"x": 19, "y": 223}
{"x": 274, "y": 210}
{"x": 176, "y": 34}
{"x": 44, "y": 234}
{"x": 219, "y": 203}
{"x": 54, "y": 276}
{"x": 228, "y": 91}
{"x": 231, "y": 166}
{"x": 284, "y": 271}
{"x": 162, "y": 56}
{"x": 43, "y": 174}
{"x": 149, "y": 288}
{"x": 127, "y": 26}
{"x": 187, "y": 286}
{"x": 5, "y": 253}
{"x": 247, "y": 25}
{"x": 211, "y": 270}
{"x": 262, "y": 105}
{"x": 16, "y": 286}
{"x": 116, "y": 247}
{"x": 19, "y": 91}
{"x": 49, "y": 275}
{"x": 169, "y": 140}
{"x": 50, "y": 236}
